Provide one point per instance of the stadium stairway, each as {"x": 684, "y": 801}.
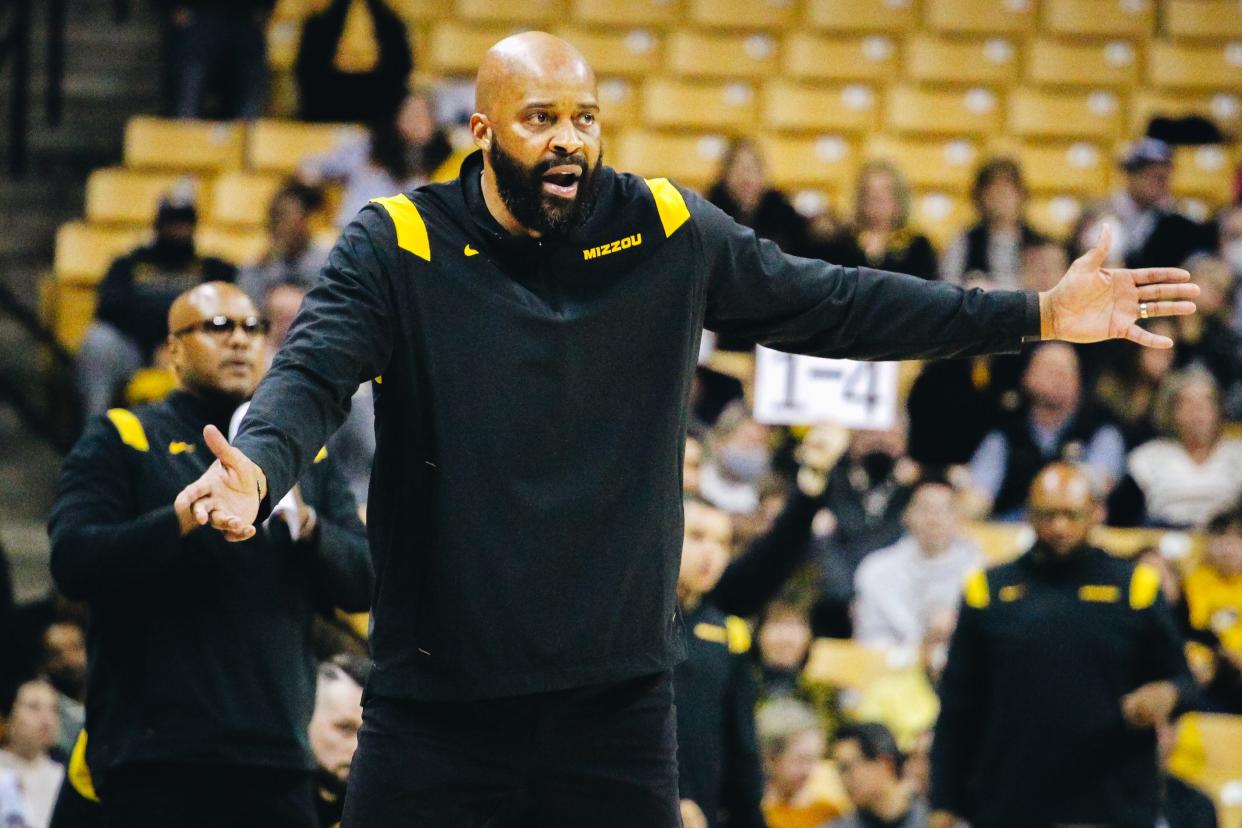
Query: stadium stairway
{"x": 111, "y": 70}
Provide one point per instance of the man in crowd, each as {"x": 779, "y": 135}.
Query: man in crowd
{"x": 1062, "y": 665}
{"x": 201, "y": 670}
{"x": 1151, "y": 229}
{"x": 30, "y": 732}
{"x": 131, "y": 319}
{"x": 333, "y": 732}
{"x": 536, "y": 325}
{"x": 293, "y": 257}
{"x": 869, "y": 763}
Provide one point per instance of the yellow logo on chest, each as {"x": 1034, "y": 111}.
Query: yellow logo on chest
{"x": 178, "y": 447}
{"x": 612, "y": 247}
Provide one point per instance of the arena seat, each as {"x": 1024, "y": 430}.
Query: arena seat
{"x": 741, "y": 14}
{"x": 936, "y": 60}
{"x": 656, "y": 13}
{"x": 1057, "y": 63}
{"x": 842, "y": 663}
{"x": 1098, "y": 19}
{"x": 415, "y": 12}
{"x": 1035, "y": 113}
{"x": 793, "y": 107}
{"x": 698, "y": 54}
{"x": 620, "y": 102}
{"x": 941, "y": 216}
{"x": 197, "y": 146}
{"x": 859, "y": 16}
{"x": 818, "y": 58}
{"x": 277, "y": 146}
{"x": 1080, "y": 169}
{"x": 1206, "y": 173}
{"x": 1205, "y": 20}
{"x": 690, "y": 160}
{"x": 910, "y": 110}
{"x": 633, "y": 53}
{"x": 1224, "y": 108}
{"x": 1054, "y": 215}
{"x": 934, "y": 165}
{"x": 115, "y": 195}
{"x": 85, "y": 251}
{"x": 1208, "y": 68}
{"x": 974, "y": 17}
{"x": 699, "y": 105}
{"x": 1000, "y": 542}
{"x": 240, "y": 247}
{"x": 241, "y": 198}
{"x": 825, "y": 162}
{"x": 526, "y": 13}
{"x": 70, "y": 308}
{"x": 1208, "y": 755}
{"x": 455, "y": 49}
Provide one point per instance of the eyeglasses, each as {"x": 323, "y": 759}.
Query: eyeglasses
{"x": 222, "y": 326}
{"x": 1072, "y": 515}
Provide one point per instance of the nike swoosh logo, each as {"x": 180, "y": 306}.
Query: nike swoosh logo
{"x": 178, "y": 447}
{"x": 470, "y": 251}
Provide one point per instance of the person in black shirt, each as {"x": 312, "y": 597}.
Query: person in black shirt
{"x": 200, "y": 663}
{"x": 869, "y": 762}
{"x": 531, "y": 330}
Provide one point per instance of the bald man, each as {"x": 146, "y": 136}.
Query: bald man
{"x": 201, "y": 676}
{"x": 531, "y": 330}
{"x": 1062, "y": 665}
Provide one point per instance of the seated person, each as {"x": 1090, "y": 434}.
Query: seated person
{"x": 869, "y": 762}
{"x": 32, "y": 729}
{"x": 989, "y": 254}
{"x": 131, "y": 318}
{"x": 1214, "y": 587}
{"x": 791, "y": 739}
{"x": 293, "y": 257}
{"x": 739, "y": 456}
{"x": 333, "y": 731}
{"x": 783, "y": 640}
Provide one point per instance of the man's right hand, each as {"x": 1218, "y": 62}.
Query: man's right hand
{"x": 942, "y": 819}
{"x": 228, "y": 494}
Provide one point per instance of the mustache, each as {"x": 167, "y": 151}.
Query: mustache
{"x": 576, "y": 160}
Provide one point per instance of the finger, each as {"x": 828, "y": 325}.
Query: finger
{"x": 223, "y": 520}
{"x": 219, "y": 445}
{"x": 1153, "y": 275}
{"x": 1167, "y": 292}
{"x": 1147, "y": 339}
{"x": 246, "y": 533}
{"x": 1169, "y": 309}
{"x": 1099, "y": 253}
{"x": 202, "y": 512}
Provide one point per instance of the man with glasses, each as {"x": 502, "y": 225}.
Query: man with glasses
{"x": 1063, "y": 664}
{"x": 201, "y": 677}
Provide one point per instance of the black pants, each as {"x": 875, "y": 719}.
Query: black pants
{"x": 604, "y": 756}
{"x": 193, "y": 796}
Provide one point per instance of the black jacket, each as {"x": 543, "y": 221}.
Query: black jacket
{"x": 525, "y": 509}
{"x": 199, "y": 650}
{"x": 1031, "y": 731}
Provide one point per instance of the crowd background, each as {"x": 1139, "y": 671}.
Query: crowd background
{"x": 981, "y": 143}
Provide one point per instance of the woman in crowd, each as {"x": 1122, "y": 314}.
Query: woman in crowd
{"x": 742, "y": 191}
{"x": 792, "y": 743}
{"x": 1127, "y": 388}
{"x": 990, "y": 252}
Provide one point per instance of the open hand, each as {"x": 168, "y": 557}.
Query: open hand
{"x": 227, "y": 496}
{"x": 1150, "y": 704}
{"x": 1093, "y": 302}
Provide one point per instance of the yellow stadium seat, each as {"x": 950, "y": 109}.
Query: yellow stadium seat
{"x": 1033, "y": 113}
{"x": 527, "y": 13}
{"x": 816, "y": 58}
{"x": 842, "y": 663}
{"x": 860, "y": 16}
{"x": 941, "y": 216}
{"x": 298, "y": 10}
{"x": 699, "y": 105}
{"x": 240, "y": 198}
{"x": 979, "y": 17}
{"x": 938, "y": 60}
{"x": 1224, "y": 108}
{"x": 697, "y": 54}
{"x": 658, "y": 13}
{"x": 793, "y": 107}
{"x": 283, "y": 39}
{"x": 741, "y": 14}
{"x": 119, "y": 196}
{"x": 824, "y": 163}
{"x": 1216, "y": 20}
{"x": 690, "y": 160}
{"x": 241, "y": 247}
{"x": 1098, "y": 18}
{"x": 1057, "y": 63}
{"x": 936, "y": 165}
{"x": 85, "y": 251}
{"x": 193, "y": 146}
{"x": 914, "y": 111}
{"x": 620, "y": 102}
{"x": 414, "y": 12}
{"x": 280, "y": 146}
{"x": 1173, "y": 66}
{"x": 1077, "y": 169}
{"x": 72, "y": 306}
{"x": 1054, "y": 216}
{"x": 632, "y": 53}
{"x": 456, "y": 49}
{"x": 1205, "y": 173}
{"x": 1000, "y": 542}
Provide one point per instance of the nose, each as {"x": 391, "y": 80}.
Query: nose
{"x": 565, "y": 140}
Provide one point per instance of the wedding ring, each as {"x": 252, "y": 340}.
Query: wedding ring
{"x": 1142, "y": 310}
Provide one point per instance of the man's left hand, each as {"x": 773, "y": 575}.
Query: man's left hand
{"x": 1150, "y": 704}
{"x": 1093, "y": 302}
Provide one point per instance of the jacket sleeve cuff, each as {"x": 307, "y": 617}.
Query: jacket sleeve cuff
{"x": 1031, "y": 321}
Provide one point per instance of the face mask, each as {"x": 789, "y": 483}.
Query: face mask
{"x": 878, "y": 465}
{"x": 938, "y": 657}
{"x": 174, "y": 250}
{"x": 747, "y": 465}
{"x": 1232, "y": 251}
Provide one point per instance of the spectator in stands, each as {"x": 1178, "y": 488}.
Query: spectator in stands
{"x": 1181, "y": 805}
{"x": 900, "y": 588}
{"x": 1187, "y": 477}
{"x": 280, "y": 305}
{"x": 1150, "y": 229}
{"x": 739, "y": 456}
{"x": 1214, "y": 587}
{"x": 691, "y": 465}
{"x": 1061, "y": 665}
{"x": 200, "y": 651}
{"x": 131, "y": 317}
{"x": 783, "y": 640}
{"x": 353, "y": 63}
{"x": 717, "y": 754}
{"x": 217, "y": 47}
{"x": 402, "y": 150}
{"x": 31, "y": 732}
{"x": 742, "y": 190}
{"x": 1128, "y": 388}
{"x": 1229, "y": 237}
{"x": 1043, "y": 262}
{"x": 1054, "y": 422}
{"x": 881, "y": 236}
{"x": 791, "y": 740}
{"x": 12, "y": 803}
{"x": 293, "y": 257}
{"x": 1209, "y": 338}
{"x": 333, "y": 732}
{"x": 989, "y": 254}
{"x": 870, "y": 764}
{"x": 64, "y": 664}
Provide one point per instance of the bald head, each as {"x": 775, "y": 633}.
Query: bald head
{"x": 1063, "y": 507}
{"x": 216, "y": 341}
{"x": 204, "y": 301}
{"x": 528, "y": 62}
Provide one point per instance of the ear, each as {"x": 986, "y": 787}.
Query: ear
{"x": 481, "y": 131}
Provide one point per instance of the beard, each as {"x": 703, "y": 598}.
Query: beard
{"x": 521, "y": 189}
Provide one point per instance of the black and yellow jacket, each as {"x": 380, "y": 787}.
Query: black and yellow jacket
{"x": 199, "y": 650}
{"x": 530, "y": 401}
{"x": 1031, "y": 731}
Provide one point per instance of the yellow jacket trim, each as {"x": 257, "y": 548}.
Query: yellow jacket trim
{"x": 79, "y": 774}
{"x": 975, "y": 590}
{"x": 1100, "y": 593}
{"x": 738, "y": 634}
{"x": 130, "y": 429}
{"x": 322, "y": 455}
{"x": 669, "y": 203}
{"x": 411, "y": 231}
{"x": 1144, "y": 586}
{"x": 711, "y": 632}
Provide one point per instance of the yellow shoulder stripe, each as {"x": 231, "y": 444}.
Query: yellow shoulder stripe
{"x": 322, "y": 455}
{"x": 976, "y": 590}
{"x": 711, "y": 632}
{"x": 79, "y": 774}
{"x": 1144, "y": 586}
{"x": 130, "y": 429}
{"x": 411, "y": 231}
{"x": 739, "y": 634}
{"x": 670, "y": 204}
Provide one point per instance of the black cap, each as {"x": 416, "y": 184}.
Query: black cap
{"x": 177, "y": 204}
{"x": 1144, "y": 152}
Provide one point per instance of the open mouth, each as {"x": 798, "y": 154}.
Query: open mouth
{"x": 562, "y": 181}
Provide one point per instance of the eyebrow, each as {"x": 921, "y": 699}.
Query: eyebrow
{"x": 551, "y": 104}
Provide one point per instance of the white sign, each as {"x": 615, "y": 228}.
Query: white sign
{"x": 798, "y": 389}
